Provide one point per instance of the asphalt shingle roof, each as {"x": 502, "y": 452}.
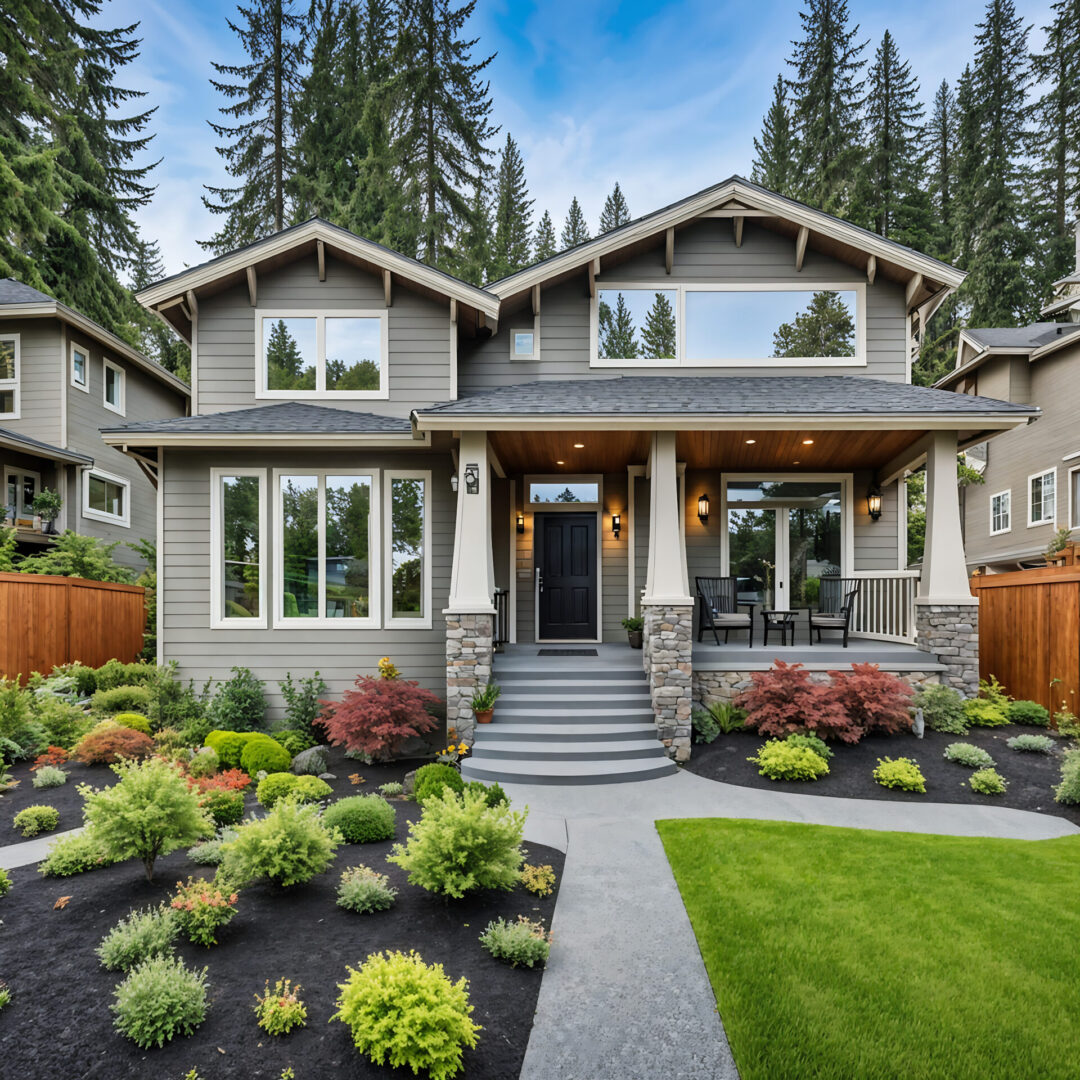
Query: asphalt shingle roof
{"x": 725, "y": 395}
{"x": 1021, "y": 337}
{"x": 43, "y": 449}
{"x": 288, "y": 417}
{"x": 15, "y": 292}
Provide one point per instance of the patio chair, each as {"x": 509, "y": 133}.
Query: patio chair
{"x": 834, "y": 616}
{"x": 720, "y": 608}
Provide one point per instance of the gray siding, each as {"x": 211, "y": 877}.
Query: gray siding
{"x": 705, "y": 252}
{"x": 39, "y": 378}
{"x": 419, "y": 336}
{"x": 876, "y": 542}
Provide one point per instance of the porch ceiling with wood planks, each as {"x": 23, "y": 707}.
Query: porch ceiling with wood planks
{"x": 734, "y": 451}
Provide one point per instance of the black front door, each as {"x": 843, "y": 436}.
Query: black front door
{"x": 566, "y": 558}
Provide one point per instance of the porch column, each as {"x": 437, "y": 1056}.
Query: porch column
{"x": 470, "y": 611}
{"x": 946, "y": 614}
{"x": 667, "y": 608}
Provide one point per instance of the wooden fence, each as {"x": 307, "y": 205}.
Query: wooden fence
{"x": 46, "y": 620}
{"x": 1029, "y": 633}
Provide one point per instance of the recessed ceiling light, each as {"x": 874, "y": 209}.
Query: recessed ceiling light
{"x": 560, "y": 462}
{"x": 795, "y": 463}
{"x": 750, "y": 442}
{"x": 808, "y": 442}
{"x": 579, "y": 446}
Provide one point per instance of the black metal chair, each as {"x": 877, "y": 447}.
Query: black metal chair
{"x": 838, "y": 596}
{"x": 720, "y": 605}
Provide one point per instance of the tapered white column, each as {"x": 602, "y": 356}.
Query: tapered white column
{"x": 666, "y": 581}
{"x": 472, "y": 579}
{"x": 944, "y": 570}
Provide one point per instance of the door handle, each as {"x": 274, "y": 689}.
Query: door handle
{"x": 539, "y": 580}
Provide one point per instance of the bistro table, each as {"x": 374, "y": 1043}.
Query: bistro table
{"x": 773, "y": 619}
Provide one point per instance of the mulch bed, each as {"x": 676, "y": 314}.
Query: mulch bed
{"x": 59, "y": 1023}
{"x": 1031, "y": 777}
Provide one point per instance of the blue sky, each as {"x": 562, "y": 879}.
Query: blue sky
{"x": 664, "y": 98}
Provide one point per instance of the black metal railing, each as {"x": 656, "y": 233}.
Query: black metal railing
{"x": 502, "y": 618}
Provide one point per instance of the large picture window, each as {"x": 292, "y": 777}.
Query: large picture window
{"x": 9, "y": 376}
{"x": 408, "y": 567}
{"x": 238, "y": 529}
{"x": 106, "y": 498}
{"x": 322, "y": 354}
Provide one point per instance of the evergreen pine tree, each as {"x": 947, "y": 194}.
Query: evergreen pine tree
{"x": 616, "y": 212}
{"x": 616, "y": 331}
{"x": 513, "y": 213}
{"x": 575, "y": 231}
{"x": 774, "y": 164}
{"x": 826, "y": 328}
{"x": 473, "y": 247}
{"x": 658, "y": 333}
{"x": 825, "y": 94}
{"x": 940, "y": 145}
{"x": 259, "y": 153}
{"x": 544, "y": 244}
{"x": 157, "y": 340}
{"x": 967, "y": 160}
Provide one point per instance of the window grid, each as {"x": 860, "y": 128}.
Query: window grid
{"x": 1000, "y": 512}
{"x": 1042, "y": 498}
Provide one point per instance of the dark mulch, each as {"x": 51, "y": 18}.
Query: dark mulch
{"x": 1031, "y": 777}
{"x": 59, "y": 1023}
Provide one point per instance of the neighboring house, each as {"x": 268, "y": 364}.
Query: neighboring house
{"x": 380, "y": 455}
{"x": 62, "y": 379}
{"x": 1031, "y": 478}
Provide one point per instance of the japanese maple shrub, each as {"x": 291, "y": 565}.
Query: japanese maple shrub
{"x": 783, "y": 700}
{"x": 110, "y": 742}
{"x": 874, "y": 700}
{"x": 379, "y": 715}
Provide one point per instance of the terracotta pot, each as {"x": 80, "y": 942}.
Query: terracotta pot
{"x": 483, "y": 716}
{"x": 635, "y": 637}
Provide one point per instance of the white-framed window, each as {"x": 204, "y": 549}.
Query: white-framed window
{"x": 114, "y": 387}
{"x": 21, "y": 487}
{"x": 1042, "y": 498}
{"x": 563, "y": 491}
{"x": 774, "y": 324}
{"x": 106, "y": 497}
{"x": 80, "y": 367}
{"x": 407, "y": 517}
{"x": 1074, "y": 497}
{"x": 238, "y": 535}
{"x": 525, "y": 342}
{"x": 1000, "y": 513}
{"x": 326, "y": 547}
{"x": 10, "y": 360}
{"x": 321, "y": 354}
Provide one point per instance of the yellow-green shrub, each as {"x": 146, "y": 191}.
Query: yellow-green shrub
{"x": 901, "y": 773}
{"x": 781, "y": 760}
{"x": 988, "y": 782}
{"x": 538, "y": 879}
{"x": 979, "y": 712}
{"x": 263, "y": 754}
{"x": 288, "y": 847}
{"x": 135, "y": 721}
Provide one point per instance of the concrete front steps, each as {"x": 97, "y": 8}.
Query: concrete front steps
{"x": 562, "y": 721}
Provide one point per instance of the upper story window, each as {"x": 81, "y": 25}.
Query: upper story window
{"x": 321, "y": 354}
{"x": 1000, "y": 512}
{"x": 766, "y": 325}
{"x": 9, "y": 376}
{"x": 80, "y": 368}
{"x": 106, "y": 498}
{"x": 114, "y": 388}
{"x": 1042, "y": 498}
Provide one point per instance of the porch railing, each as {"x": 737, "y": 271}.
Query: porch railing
{"x": 502, "y": 621}
{"x": 885, "y": 608}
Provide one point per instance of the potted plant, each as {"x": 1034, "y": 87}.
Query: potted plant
{"x": 634, "y": 628}
{"x": 46, "y": 505}
{"x": 483, "y": 702}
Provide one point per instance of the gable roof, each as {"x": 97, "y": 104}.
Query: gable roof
{"x": 17, "y": 441}
{"x": 18, "y": 300}
{"x": 1033, "y": 341}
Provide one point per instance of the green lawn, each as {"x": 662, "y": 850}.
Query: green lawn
{"x": 862, "y": 955}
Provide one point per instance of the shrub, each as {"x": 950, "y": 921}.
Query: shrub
{"x": 379, "y": 715}
{"x": 149, "y": 812}
{"x": 279, "y": 1012}
{"x": 1036, "y": 744}
{"x": 311, "y": 789}
{"x": 461, "y": 844}
{"x": 15, "y": 711}
{"x": 538, "y": 879}
{"x": 1068, "y": 791}
{"x": 275, "y": 787}
{"x": 874, "y": 700}
{"x": 296, "y": 742}
{"x": 134, "y": 699}
{"x": 168, "y": 739}
{"x": 228, "y": 745}
{"x": 5, "y": 994}
{"x": 109, "y": 743}
{"x": 1028, "y": 712}
{"x": 783, "y": 700}
{"x": 991, "y": 690}
{"x": 115, "y": 673}
{"x": 716, "y": 718}
{"x": 74, "y": 854}
{"x": 811, "y": 742}
{"x": 54, "y": 755}
{"x": 981, "y": 713}
{"x": 263, "y": 754}
{"x": 229, "y": 780}
{"x": 135, "y": 721}
{"x": 200, "y": 908}
{"x": 224, "y": 807}
{"x": 780, "y": 760}
{"x": 362, "y": 819}
{"x": 363, "y": 890}
{"x": 431, "y": 779}
{"x": 142, "y": 935}
{"x": 988, "y": 782}
{"x": 901, "y": 773}
{"x": 5, "y": 882}
{"x": 302, "y": 704}
{"x": 403, "y": 1012}
{"x": 239, "y": 704}
{"x": 49, "y": 776}
{"x": 37, "y": 819}
{"x": 389, "y": 790}
{"x": 704, "y": 726}
{"x": 521, "y": 942}
{"x": 943, "y": 709}
{"x": 203, "y": 764}
{"x": 212, "y": 852}
{"x": 159, "y": 1000}
{"x": 963, "y": 753}
{"x": 64, "y": 723}
{"x": 288, "y": 847}
{"x": 493, "y": 793}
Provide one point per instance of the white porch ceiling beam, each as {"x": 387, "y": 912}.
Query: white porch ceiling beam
{"x": 192, "y": 303}
{"x": 908, "y": 460}
{"x": 913, "y": 287}
{"x": 800, "y": 247}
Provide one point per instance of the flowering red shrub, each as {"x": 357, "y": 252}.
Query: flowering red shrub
{"x": 379, "y": 715}
{"x": 873, "y": 699}
{"x": 54, "y": 755}
{"x": 229, "y": 780}
{"x": 784, "y": 700}
{"x": 107, "y": 744}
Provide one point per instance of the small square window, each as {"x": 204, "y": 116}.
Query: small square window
{"x": 523, "y": 344}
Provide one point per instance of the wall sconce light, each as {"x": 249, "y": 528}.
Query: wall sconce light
{"x": 472, "y": 479}
{"x": 703, "y": 509}
{"x": 520, "y": 522}
{"x": 873, "y": 502}
{"x": 616, "y": 524}
{"x": 454, "y": 482}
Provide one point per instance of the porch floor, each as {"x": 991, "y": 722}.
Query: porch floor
{"x": 738, "y": 656}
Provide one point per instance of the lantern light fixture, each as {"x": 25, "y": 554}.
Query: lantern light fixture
{"x": 616, "y": 525}
{"x": 703, "y": 509}
{"x": 873, "y": 502}
{"x": 520, "y": 522}
{"x": 454, "y": 482}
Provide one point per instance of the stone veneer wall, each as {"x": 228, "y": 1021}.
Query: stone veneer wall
{"x": 666, "y": 654}
{"x": 951, "y": 633}
{"x": 710, "y": 686}
{"x": 469, "y": 654}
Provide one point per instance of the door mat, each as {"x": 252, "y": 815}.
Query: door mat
{"x": 567, "y": 652}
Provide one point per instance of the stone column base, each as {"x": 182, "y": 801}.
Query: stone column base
{"x": 469, "y": 653}
{"x": 668, "y": 647}
{"x": 951, "y": 633}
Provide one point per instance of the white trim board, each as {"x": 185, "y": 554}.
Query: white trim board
{"x": 218, "y": 620}
{"x": 1008, "y": 513}
{"x": 123, "y": 520}
{"x": 1031, "y": 523}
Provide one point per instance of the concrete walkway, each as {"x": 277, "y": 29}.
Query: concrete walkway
{"x": 625, "y": 995}
{"x": 30, "y": 851}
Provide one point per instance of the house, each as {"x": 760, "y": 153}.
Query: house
{"x": 63, "y": 378}
{"x": 1031, "y": 478}
{"x": 382, "y": 459}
